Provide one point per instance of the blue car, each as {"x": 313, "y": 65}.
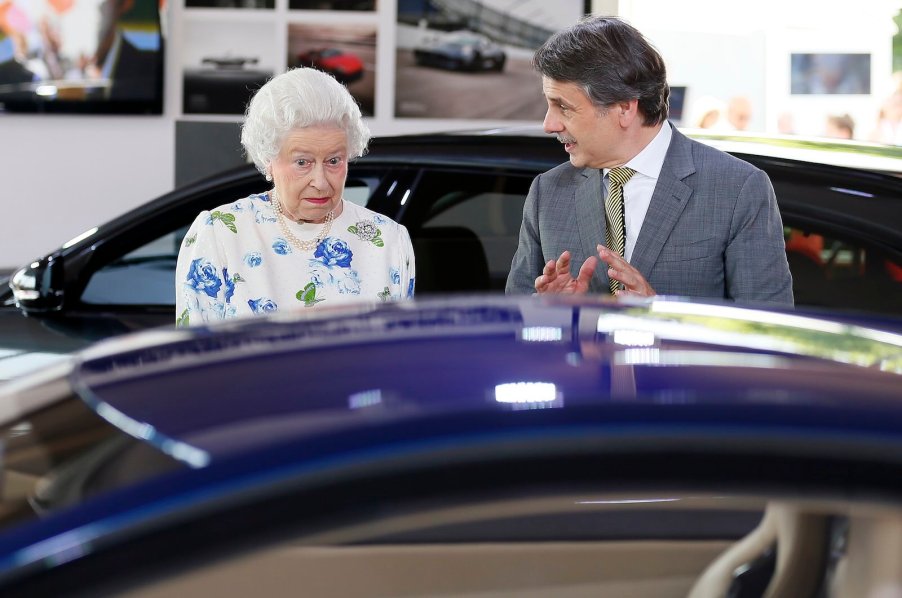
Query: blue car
{"x": 475, "y": 446}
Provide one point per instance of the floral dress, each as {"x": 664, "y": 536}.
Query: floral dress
{"x": 235, "y": 261}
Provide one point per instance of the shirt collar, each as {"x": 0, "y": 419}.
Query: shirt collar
{"x": 650, "y": 160}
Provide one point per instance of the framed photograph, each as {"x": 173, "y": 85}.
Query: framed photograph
{"x": 230, "y": 3}
{"x": 471, "y": 60}
{"x": 224, "y": 64}
{"x": 368, "y": 5}
{"x": 346, "y": 51}
{"x": 76, "y": 58}
{"x": 816, "y": 74}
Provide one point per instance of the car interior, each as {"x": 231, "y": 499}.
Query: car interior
{"x": 799, "y": 548}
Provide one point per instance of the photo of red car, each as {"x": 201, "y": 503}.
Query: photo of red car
{"x": 344, "y": 66}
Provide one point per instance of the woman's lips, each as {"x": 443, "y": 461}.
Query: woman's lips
{"x": 318, "y": 200}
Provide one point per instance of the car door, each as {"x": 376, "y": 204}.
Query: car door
{"x": 130, "y": 279}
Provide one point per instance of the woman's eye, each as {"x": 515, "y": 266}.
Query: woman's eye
{"x": 301, "y": 162}
{"x": 334, "y": 161}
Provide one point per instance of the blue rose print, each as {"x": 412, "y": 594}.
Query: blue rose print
{"x": 281, "y": 246}
{"x": 203, "y": 278}
{"x": 410, "y": 288}
{"x": 253, "y": 258}
{"x": 262, "y": 305}
{"x": 229, "y": 285}
{"x": 334, "y": 252}
{"x": 395, "y": 275}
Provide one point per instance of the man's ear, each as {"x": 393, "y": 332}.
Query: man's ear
{"x": 627, "y": 112}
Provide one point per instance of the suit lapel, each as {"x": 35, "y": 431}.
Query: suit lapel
{"x": 667, "y": 203}
{"x": 590, "y": 222}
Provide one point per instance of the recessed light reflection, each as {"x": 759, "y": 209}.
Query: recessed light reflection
{"x": 626, "y": 501}
{"x": 542, "y": 334}
{"x": 405, "y": 197}
{"x": 639, "y": 356}
{"x": 366, "y": 398}
{"x": 80, "y": 237}
{"x": 529, "y": 395}
{"x": 634, "y": 338}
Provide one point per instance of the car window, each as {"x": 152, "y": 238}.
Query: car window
{"x": 465, "y": 233}
{"x": 145, "y": 275}
{"x": 834, "y": 272}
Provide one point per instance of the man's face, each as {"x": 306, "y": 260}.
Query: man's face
{"x": 591, "y": 136}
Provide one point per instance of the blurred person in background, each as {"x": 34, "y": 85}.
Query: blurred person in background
{"x": 888, "y": 129}
{"x": 300, "y": 244}
{"x": 739, "y": 113}
{"x": 840, "y": 126}
{"x": 786, "y": 124}
{"x": 666, "y": 214}
{"x": 708, "y": 113}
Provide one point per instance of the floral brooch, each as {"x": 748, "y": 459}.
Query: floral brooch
{"x": 366, "y": 230}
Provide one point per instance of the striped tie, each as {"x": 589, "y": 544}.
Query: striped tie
{"x": 613, "y": 207}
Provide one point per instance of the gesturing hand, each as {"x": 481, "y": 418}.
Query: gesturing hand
{"x": 620, "y": 270}
{"x": 556, "y": 277}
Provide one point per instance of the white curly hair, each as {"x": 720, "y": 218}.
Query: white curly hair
{"x": 299, "y": 98}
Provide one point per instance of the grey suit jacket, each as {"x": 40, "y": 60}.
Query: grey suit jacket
{"x": 712, "y": 229}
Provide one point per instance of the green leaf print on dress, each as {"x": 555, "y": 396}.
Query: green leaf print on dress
{"x": 227, "y": 219}
{"x": 308, "y": 295}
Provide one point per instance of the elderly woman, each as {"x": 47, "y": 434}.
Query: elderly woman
{"x": 299, "y": 244}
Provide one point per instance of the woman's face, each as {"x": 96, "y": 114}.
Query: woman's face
{"x": 310, "y": 171}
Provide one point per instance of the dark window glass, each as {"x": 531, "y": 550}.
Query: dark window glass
{"x": 146, "y": 275}
{"x": 835, "y": 272}
{"x": 464, "y": 228}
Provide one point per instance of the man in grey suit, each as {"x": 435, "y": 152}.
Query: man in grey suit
{"x": 688, "y": 220}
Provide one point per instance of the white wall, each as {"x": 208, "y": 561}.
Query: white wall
{"x": 62, "y": 175}
{"x": 723, "y": 49}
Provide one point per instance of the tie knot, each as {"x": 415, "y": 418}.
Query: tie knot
{"x": 621, "y": 174}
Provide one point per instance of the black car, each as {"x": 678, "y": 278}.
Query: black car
{"x": 461, "y": 197}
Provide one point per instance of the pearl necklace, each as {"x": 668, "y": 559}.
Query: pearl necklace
{"x": 302, "y": 245}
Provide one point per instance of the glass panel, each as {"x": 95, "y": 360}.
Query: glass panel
{"x": 841, "y": 273}
{"x": 146, "y": 275}
{"x": 467, "y": 237}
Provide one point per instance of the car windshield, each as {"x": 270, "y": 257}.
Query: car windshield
{"x": 62, "y": 454}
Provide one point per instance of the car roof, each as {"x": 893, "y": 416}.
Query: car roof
{"x": 835, "y": 152}
{"x": 250, "y": 383}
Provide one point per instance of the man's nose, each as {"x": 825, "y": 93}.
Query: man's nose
{"x": 551, "y": 124}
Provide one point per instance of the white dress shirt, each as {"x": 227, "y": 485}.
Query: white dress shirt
{"x": 638, "y": 190}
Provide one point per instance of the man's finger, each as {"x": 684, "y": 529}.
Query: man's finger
{"x": 563, "y": 263}
{"x": 587, "y": 270}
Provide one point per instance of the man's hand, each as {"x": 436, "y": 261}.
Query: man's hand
{"x": 556, "y": 277}
{"x": 620, "y": 270}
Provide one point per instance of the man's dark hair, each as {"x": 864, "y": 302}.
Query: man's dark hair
{"x": 611, "y": 61}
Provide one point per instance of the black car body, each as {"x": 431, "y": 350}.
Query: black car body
{"x": 462, "y": 51}
{"x": 461, "y": 197}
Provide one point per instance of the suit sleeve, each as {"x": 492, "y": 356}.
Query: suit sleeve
{"x": 755, "y": 259}
{"x": 528, "y": 260}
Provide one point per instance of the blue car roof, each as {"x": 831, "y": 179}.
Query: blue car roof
{"x": 206, "y": 392}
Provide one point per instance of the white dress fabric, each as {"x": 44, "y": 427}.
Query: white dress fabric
{"x": 235, "y": 261}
